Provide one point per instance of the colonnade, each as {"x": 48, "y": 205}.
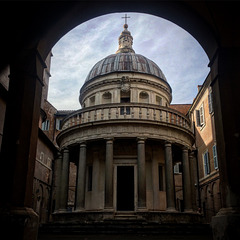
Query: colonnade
{"x": 62, "y": 178}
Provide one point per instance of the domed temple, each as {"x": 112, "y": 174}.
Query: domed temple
{"x": 126, "y": 152}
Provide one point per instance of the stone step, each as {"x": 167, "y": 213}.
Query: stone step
{"x": 126, "y": 226}
{"x": 125, "y": 216}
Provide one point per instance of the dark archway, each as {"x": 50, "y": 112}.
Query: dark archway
{"x": 29, "y": 34}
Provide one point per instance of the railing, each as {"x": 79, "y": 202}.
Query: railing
{"x": 135, "y": 111}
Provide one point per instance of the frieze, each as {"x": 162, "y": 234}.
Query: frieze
{"x": 125, "y": 130}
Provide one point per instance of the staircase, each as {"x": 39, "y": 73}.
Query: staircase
{"x": 126, "y": 224}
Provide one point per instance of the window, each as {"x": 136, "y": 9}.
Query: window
{"x": 215, "y": 159}
{"x": 200, "y": 119}
{"x": 206, "y": 163}
{"x": 58, "y": 124}
{"x": 45, "y": 125}
{"x": 92, "y": 101}
{"x": 125, "y": 110}
{"x": 143, "y": 97}
{"x": 160, "y": 177}
{"x": 210, "y": 102}
{"x": 159, "y": 100}
{"x": 41, "y": 156}
{"x": 125, "y": 98}
{"x": 90, "y": 175}
{"x": 106, "y": 97}
{"x": 177, "y": 168}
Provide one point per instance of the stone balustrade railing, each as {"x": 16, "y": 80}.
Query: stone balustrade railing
{"x": 135, "y": 111}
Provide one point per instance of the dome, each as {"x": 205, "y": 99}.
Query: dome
{"x": 125, "y": 62}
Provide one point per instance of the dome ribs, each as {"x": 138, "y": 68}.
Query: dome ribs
{"x": 122, "y": 62}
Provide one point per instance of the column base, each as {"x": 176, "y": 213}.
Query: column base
{"x": 141, "y": 209}
{"x": 20, "y": 223}
{"x": 108, "y": 209}
{"x": 60, "y": 211}
{"x": 188, "y": 210}
{"x": 80, "y": 210}
{"x": 226, "y": 224}
{"x": 171, "y": 209}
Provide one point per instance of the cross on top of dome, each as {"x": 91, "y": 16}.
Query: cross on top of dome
{"x": 126, "y": 17}
{"x": 125, "y": 40}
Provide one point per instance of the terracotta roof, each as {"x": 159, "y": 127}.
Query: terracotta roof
{"x": 182, "y": 108}
{"x": 64, "y": 112}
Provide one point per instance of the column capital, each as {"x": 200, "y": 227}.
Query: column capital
{"x": 192, "y": 153}
{"x": 65, "y": 150}
{"x": 58, "y": 155}
{"x": 109, "y": 140}
{"x": 141, "y": 140}
{"x": 167, "y": 144}
{"x": 185, "y": 148}
{"x": 83, "y": 144}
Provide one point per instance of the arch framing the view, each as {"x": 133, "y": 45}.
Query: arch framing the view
{"x": 37, "y": 28}
{"x": 177, "y": 12}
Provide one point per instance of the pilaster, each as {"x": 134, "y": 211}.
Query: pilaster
{"x": 58, "y": 173}
{"x": 187, "y": 197}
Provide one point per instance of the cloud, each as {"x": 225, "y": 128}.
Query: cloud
{"x": 175, "y": 51}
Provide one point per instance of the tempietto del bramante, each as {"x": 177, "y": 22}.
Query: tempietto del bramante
{"x": 121, "y": 150}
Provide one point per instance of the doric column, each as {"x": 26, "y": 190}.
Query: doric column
{"x": 169, "y": 177}
{"x": 109, "y": 174}
{"x": 64, "y": 180}
{"x": 58, "y": 172}
{"x": 187, "y": 197}
{"x": 141, "y": 174}
{"x": 81, "y": 177}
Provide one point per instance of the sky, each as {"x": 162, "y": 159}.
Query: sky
{"x": 175, "y": 51}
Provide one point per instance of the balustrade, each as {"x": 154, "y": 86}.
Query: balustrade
{"x": 133, "y": 111}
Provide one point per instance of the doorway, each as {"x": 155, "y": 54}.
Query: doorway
{"x": 125, "y": 188}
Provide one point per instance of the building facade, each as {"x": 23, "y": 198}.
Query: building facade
{"x": 202, "y": 116}
{"x": 123, "y": 145}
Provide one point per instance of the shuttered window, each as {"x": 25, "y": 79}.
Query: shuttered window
{"x": 200, "y": 118}
{"x": 210, "y": 103}
{"x": 206, "y": 163}
{"x": 215, "y": 159}
{"x": 45, "y": 125}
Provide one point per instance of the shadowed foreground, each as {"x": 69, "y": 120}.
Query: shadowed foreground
{"x": 122, "y": 237}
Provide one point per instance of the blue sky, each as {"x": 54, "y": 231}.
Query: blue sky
{"x": 175, "y": 51}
